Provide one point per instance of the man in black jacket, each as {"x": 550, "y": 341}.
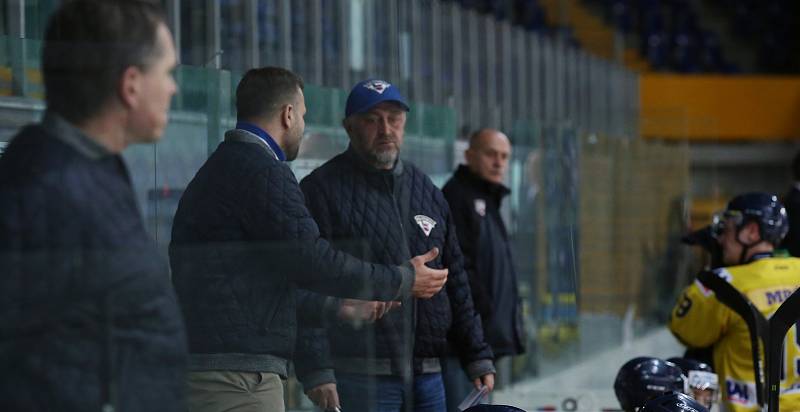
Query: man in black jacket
{"x": 475, "y": 193}
{"x": 89, "y": 320}
{"x": 369, "y": 202}
{"x": 243, "y": 240}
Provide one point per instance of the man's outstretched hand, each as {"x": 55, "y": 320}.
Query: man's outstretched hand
{"x": 355, "y": 310}
{"x": 427, "y": 281}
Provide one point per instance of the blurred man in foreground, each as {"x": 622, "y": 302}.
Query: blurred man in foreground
{"x": 89, "y": 320}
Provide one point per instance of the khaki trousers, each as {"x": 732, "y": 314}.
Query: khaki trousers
{"x": 216, "y": 391}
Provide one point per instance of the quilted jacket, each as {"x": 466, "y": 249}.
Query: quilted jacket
{"x": 242, "y": 241}
{"x": 389, "y": 216}
{"x": 475, "y": 204}
{"x": 87, "y": 313}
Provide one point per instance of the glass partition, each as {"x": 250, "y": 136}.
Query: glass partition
{"x": 595, "y": 212}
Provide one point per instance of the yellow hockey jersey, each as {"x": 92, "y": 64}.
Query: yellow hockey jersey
{"x": 700, "y": 320}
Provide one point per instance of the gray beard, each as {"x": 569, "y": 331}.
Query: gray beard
{"x": 383, "y": 160}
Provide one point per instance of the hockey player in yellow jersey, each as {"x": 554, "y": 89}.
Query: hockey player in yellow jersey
{"x": 747, "y": 231}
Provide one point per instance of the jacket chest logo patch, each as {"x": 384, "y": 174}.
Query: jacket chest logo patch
{"x": 480, "y": 207}
{"x": 425, "y": 223}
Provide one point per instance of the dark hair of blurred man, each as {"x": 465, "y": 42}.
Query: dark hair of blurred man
{"x": 89, "y": 318}
{"x": 475, "y": 194}
{"x": 108, "y": 65}
{"x": 243, "y": 242}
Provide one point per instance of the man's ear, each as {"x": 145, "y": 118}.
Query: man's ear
{"x": 468, "y": 154}
{"x": 130, "y": 87}
{"x": 346, "y": 125}
{"x": 752, "y": 233}
{"x": 287, "y": 115}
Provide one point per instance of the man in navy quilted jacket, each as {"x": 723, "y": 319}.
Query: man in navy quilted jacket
{"x": 88, "y": 318}
{"x": 243, "y": 241}
{"x": 383, "y": 209}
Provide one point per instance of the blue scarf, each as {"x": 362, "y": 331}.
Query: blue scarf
{"x": 264, "y": 136}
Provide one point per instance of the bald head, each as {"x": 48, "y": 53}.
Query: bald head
{"x": 488, "y": 153}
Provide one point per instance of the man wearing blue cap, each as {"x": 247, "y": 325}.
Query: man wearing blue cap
{"x": 382, "y": 209}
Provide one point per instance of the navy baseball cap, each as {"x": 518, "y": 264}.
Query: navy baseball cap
{"x": 368, "y": 93}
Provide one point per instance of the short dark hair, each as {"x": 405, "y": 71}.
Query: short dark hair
{"x": 263, "y": 91}
{"x": 89, "y": 44}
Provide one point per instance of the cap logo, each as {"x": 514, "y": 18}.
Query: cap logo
{"x": 425, "y": 223}
{"x": 378, "y": 86}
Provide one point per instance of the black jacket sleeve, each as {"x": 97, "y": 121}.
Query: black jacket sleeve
{"x": 468, "y": 231}
{"x": 466, "y": 332}
{"x": 313, "y": 309}
{"x": 312, "y": 359}
{"x": 300, "y": 251}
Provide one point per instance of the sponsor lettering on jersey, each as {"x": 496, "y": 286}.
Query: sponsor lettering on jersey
{"x": 772, "y": 296}
{"x": 684, "y": 306}
{"x": 791, "y": 389}
{"x": 741, "y": 393}
{"x": 777, "y": 296}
